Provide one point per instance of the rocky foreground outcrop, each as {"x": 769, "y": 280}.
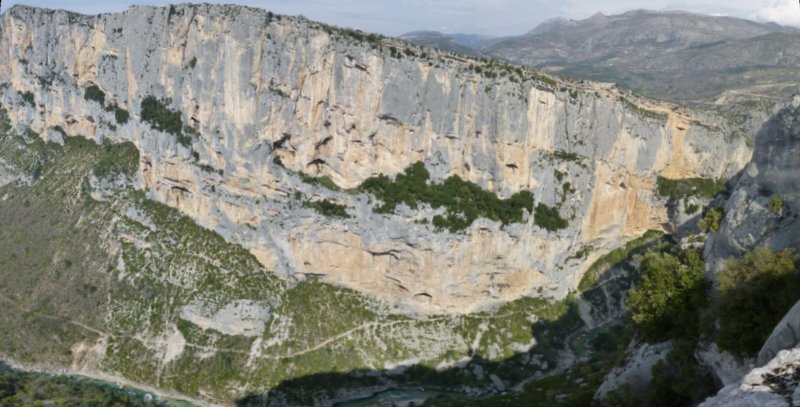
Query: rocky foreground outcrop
{"x": 264, "y": 98}
{"x": 773, "y": 385}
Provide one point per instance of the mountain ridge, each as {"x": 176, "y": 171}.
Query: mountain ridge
{"x": 651, "y": 52}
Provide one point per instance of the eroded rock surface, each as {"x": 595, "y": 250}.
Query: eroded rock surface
{"x": 772, "y": 385}
{"x": 258, "y": 89}
{"x": 764, "y": 206}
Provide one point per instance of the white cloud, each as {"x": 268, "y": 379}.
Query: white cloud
{"x": 786, "y": 12}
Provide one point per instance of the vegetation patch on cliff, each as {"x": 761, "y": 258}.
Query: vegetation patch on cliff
{"x": 672, "y": 288}
{"x": 94, "y": 93}
{"x": 163, "y": 118}
{"x": 327, "y": 208}
{"x": 686, "y": 187}
{"x": 462, "y": 200}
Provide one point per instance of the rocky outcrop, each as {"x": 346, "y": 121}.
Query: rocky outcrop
{"x": 786, "y": 335}
{"x": 257, "y": 89}
{"x": 764, "y": 205}
{"x": 636, "y": 373}
{"x": 772, "y": 385}
{"x": 762, "y": 210}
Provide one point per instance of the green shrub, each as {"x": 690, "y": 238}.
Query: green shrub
{"x": 278, "y": 91}
{"x": 566, "y": 156}
{"x": 323, "y": 181}
{"x": 328, "y": 208}
{"x": 673, "y": 288}
{"x": 29, "y": 98}
{"x": 549, "y": 218}
{"x": 463, "y": 201}
{"x": 94, "y": 93}
{"x": 776, "y": 204}
{"x": 755, "y": 292}
{"x": 120, "y": 115}
{"x": 161, "y": 117}
{"x": 686, "y": 187}
{"x": 710, "y": 221}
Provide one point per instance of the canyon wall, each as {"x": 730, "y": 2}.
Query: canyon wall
{"x": 268, "y": 100}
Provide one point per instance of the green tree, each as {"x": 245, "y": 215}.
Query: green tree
{"x": 679, "y": 380}
{"x": 755, "y": 291}
{"x": 160, "y": 117}
{"x": 776, "y": 204}
{"x": 665, "y": 304}
{"x": 711, "y": 219}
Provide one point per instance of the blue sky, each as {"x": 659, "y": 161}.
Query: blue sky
{"x": 488, "y": 17}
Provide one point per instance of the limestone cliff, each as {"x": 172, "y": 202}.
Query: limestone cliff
{"x": 252, "y": 87}
{"x": 762, "y": 210}
{"x": 764, "y": 205}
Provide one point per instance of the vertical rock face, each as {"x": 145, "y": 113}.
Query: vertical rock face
{"x": 259, "y": 90}
{"x": 764, "y": 206}
{"x": 762, "y": 210}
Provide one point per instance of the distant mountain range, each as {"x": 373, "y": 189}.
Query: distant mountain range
{"x": 741, "y": 66}
{"x": 462, "y": 43}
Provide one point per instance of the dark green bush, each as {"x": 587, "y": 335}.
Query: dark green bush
{"x": 161, "y": 117}
{"x": 119, "y": 158}
{"x": 323, "y": 181}
{"x": 120, "y": 115}
{"x": 682, "y": 188}
{"x": 94, "y": 93}
{"x": 775, "y": 204}
{"x": 665, "y": 304}
{"x": 549, "y": 218}
{"x": 711, "y": 219}
{"x": 755, "y": 292}
{"x": 566, "y": 156}
{"x": 463, "y": 201}
{"x": 29, "y": 98}
{"x": 328, "y": 208}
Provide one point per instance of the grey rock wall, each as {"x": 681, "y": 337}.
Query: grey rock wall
{"x": 771, "y": 176}
{"x": 256, "y": 86}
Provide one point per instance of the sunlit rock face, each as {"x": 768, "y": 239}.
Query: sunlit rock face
{"x": 259, "y": 89}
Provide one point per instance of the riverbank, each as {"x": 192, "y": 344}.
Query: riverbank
{"x": 171, "y": 398}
